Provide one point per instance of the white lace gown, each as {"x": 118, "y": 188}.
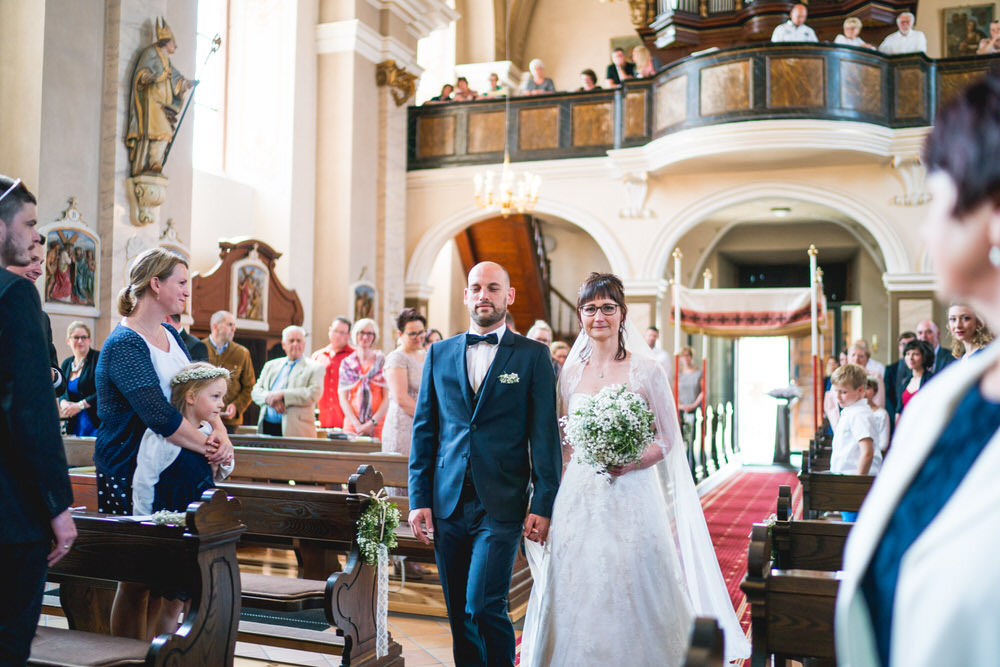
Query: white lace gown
{"x": 609, "y": 587}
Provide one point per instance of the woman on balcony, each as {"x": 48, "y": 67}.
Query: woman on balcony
{"x": 852, "y": 34}
{"x": 538, "y": 83}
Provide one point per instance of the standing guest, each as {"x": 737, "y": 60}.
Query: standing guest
{"x": 659, "y": 354}
{"x": 463, "y": 93}
{"x": 992, "y": 43}
{"x": 443, "y": 96}
{"x": 968, "y": 332}
{"x": 402, "y": 371}
{"x": 432, "y": 337}
{"x": 495, "y": 89}
{"x": 559, "y": 350}
{"x": 853, "y": 451}
{"x": 362, "y": 385}
{"x": 830, "y": 406}
{"x": 330, "y": 357}
{"x": 32, "y": 270}
{"x": 795, "y": 28}
{"x": 645, "y": 64}
{"x": 79, "y": 402}
{"x": 197, "y": 350}
{"x": 35, "y": 492}
{"x": 928, "y": 332}
{"x": 919, "y": 368}
{"x": 852, "y": 34}
{"x": 134, "y": 369}
{"x": 904, "y": 40}
{"x": 619, "y": 70}
{"x": 689, "y": 389}
{"x": 880, "y": 416}
{"x": 891, "y": 377}
{"x": 226, "y": 353}
{"x": 872, "y": 366}
{"x": 537, "y": 83}
{"x": 540, "y": 331}
{"x": 288, "y": 388}
{"x": 588, "y": 81}
{"x": 858, "y": 354}
{"x": 934, "y": 508}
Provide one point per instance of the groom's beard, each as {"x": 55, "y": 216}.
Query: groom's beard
{"x": 487, "y": 318}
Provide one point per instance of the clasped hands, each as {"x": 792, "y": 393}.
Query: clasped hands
{"x": 276, "y": 401}
{"x": 68, "y": 409}
{"x": 217, "y": 450}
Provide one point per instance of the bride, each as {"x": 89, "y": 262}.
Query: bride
{"x": 627, "y": 565}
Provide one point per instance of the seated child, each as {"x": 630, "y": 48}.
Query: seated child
{"x": 854, "y": 450}
{"x": 880, "y": 415}
{"x": 168, "y": 477}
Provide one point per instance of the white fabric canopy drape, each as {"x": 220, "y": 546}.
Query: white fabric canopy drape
{"x": 747, "y": 312}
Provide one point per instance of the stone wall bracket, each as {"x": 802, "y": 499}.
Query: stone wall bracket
{"x": 913, "y": 175}
{"x": 146, "y": 193}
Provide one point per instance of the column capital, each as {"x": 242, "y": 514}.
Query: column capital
{"x": 909, "y": 282}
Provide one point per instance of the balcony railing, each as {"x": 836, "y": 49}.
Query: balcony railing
{"x": 814, "y": 81}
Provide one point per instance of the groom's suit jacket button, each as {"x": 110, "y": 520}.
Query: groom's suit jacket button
{"x": 473, "y": 427}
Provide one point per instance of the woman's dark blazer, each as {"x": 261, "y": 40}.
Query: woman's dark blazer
{"x": 87, "y": 388}
{"x": 903, "y": 380}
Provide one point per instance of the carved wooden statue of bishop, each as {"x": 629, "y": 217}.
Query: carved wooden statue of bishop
{"x": 157, "y": 97}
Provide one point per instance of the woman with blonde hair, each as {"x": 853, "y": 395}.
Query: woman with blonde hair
{"x": 362, "y": 386}
{"x": 852, "y": 34}
{"x": 645, "y": 67}
{"x": 78, "y": 403}
{"x": 138, "y": 359}
{"x": 969, "y": 333}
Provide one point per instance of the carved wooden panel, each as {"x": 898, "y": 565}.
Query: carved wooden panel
{"x": 796, "y": 82}
{"x": 725, "y": 88}
{"x": 635, "y": 114}
{"x": 435, "y": 136}
{"x": 861, "y": 87}
{"x": 486, "y": 132}
{"x": 910, "y": 82}
{"x": 593, "y": 124}
{"x": 952, "y": 83}
{"x": 538, "y": 128}
{"x": 671, "y": 102}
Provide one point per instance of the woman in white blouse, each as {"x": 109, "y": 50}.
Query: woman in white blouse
{"x": 852, "y": 34}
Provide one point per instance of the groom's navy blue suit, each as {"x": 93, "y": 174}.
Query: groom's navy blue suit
{"x": 473, "y": 460}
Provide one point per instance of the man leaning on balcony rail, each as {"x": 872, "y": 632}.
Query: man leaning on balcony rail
{"x": 795, "y": 28}
{"x": 904, "y": 40}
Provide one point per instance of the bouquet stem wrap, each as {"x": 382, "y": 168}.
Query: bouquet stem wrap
{"x": 382, "y": 605}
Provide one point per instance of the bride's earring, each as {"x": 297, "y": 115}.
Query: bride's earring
{"x": 994, "y": 256}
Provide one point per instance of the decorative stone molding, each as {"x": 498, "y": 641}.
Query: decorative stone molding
{"x": 147, "y": 192}
{"x": 913, "y": 174}
{"x": 909, "y": 282}
{"x": 642, "y": 12}
{"x": 402, "y": 85}
{"x": 636, "y": 189}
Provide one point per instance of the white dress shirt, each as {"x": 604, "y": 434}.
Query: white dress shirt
{"x": 789, "y": 32}
{"x": 912, "y": 42}
{"x": 479, "y": 357}
{"x": 856, "y": 423}
{"x": 852, "y": 41}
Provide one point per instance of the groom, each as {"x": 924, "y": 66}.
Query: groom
{"x": 484, "y": 435}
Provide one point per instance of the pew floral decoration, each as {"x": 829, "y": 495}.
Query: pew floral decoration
{"x": 376, "y": 537}
{"x": 168, "y": 518}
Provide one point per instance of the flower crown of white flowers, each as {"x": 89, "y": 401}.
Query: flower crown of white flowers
{"x": 198, "y": 371}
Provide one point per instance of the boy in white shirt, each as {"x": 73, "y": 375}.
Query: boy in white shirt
{"x": 854, "y": 451}
{"x": 880, "y": 415}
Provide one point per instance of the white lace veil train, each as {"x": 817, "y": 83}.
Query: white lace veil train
{"x": 700, "y": 565}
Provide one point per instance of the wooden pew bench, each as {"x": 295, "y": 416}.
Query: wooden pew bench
{"x": 832, "y": 492}
{"x": 360, "y": 445}
{"x": 806, "y": 544}
{"x": 199, "y": 558}
{"x": 792, "y": 611}
{"x": 347, "y": 597}
{"x": 707, "y": 645}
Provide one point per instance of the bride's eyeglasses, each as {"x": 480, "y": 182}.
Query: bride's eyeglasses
{"x": 608, "y": 309}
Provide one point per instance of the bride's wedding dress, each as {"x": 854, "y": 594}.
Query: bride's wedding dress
{"x": 627, "y": 565}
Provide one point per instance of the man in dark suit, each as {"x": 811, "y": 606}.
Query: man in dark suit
{"x": 484, "y": 437}
{"x": 891, "y": 378}
{"x": 928, "y": 332}
{"x": 197, "y": 350}
{"x": 35, "y": 492}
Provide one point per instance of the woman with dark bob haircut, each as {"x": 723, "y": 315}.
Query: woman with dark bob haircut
{"x": 936, "y": 503}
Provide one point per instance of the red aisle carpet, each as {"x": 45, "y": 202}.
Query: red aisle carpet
{"x": 731, "y": 509}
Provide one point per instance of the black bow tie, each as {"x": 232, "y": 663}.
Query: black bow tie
{"x": 473, "y": 339}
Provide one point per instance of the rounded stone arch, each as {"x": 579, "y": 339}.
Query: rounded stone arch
{"x": 889, "y": 243}
{"x": 418, "y": 268}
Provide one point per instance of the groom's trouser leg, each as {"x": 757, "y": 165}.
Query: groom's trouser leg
{"x": 453, "y": 553}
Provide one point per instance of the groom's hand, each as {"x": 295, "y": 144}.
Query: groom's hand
{"x": 536, "y": 528}
{"x": 422, "y": 524}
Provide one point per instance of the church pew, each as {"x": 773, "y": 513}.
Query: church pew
{"x": 792, "y": 611}
{"x": 199, "y": 558}
{"x": 806, "y": 544}
{"x": 347, "y": 597}
{"x": 356, "y": 445}
{"x": 707, "y": 647}
{"x": 832, "y": 492}
{"x": 79, "y": 451}
{"x": 315, "y": 467}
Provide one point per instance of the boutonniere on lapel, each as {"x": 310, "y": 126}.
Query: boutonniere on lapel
{"x": 509, "y": 378}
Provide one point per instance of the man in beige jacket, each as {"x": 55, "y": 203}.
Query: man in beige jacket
{"x": 288, "y": 389}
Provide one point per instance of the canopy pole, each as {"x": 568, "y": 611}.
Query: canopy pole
{"x": 814, "y": 331}
{"x": 677, "y": 317}
{"x": 707, "y": 277}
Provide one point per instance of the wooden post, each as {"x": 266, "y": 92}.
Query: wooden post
{"x": 677, "y": 319}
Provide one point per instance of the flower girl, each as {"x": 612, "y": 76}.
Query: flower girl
{"x": 168, "y": 477}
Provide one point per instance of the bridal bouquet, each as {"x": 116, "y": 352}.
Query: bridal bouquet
{"x": 611, "y": 428}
